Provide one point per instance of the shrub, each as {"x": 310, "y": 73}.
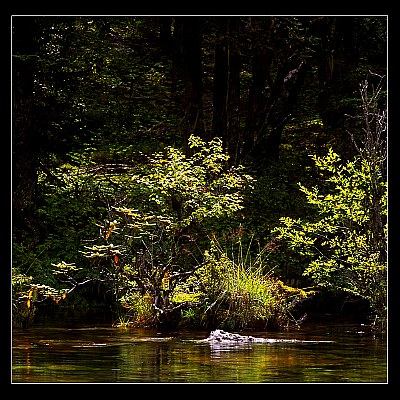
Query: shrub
{"x": 153, "y": 243}
{"x": 345, "y": 244}
{"x": 26, "y": 294}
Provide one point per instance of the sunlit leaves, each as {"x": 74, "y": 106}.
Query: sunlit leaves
{"x": 26, "y": 293}
{"x": 100, "y": 251}
{"x": 196, "y": 187}
{"x": 346, "y": 242}
{"x": 141, "y": 242}
{"x": 64, "y": 268}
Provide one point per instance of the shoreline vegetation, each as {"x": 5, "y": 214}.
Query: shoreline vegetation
{"x": 199, "y": 172}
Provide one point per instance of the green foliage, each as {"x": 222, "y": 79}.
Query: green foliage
{"x": 193, "y": 189}
{"x": 152, "y": 249}
{"x": 344, "y": 246}
{"x": 26, "y": 294}
{"x": 69, "y": 203}
{"x": 137, "y": 310}
{"x": 107, "y": 88}
{"x": 241, "y": 291}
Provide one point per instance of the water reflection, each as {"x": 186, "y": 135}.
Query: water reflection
{"x": 315, "y": 353}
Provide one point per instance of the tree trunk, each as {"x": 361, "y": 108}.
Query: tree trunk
{"x": 226, "y": 96}
{"x": 256, "y": 112}
{"x": 188, "y": 67}
{"x": 234, "y": 138}
{"x": 165, "y": 30}
{"x": 220, "y": 90}
{"x": 276, "y": 83}
{"x": 24, "y": 128}
{"x": 270, "y": 144}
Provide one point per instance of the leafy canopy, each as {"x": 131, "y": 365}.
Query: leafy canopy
{"x": 346, "y": 243}
{"x": 191, "y": 189}
{"x": 148, "y": 251}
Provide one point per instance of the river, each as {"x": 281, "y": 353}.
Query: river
{"x": 322, "y": 351}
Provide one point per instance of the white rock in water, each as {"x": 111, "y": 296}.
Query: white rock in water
{"x": 221, "y": 336}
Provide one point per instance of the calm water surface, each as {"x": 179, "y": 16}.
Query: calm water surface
{"x": 325, "y": 352}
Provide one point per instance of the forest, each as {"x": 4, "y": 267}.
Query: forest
{"x": 199, "y": 171}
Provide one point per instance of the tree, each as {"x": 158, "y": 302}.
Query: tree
{"x": 220, "y": 82}
{"x": 346, "y": 242}
{"x": 281, "y": 49}
{"x": 188, "y": 61}
{"x": 90, "y": 92}
{"x": 155, "y": 258}
{"x": 348, "y": 49}
{"x": 226, "y": 85}
{"x": 24, "y": 130}
{"x": 150, "y": 250}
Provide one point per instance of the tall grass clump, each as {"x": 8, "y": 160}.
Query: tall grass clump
{"x": 242, "y": 291}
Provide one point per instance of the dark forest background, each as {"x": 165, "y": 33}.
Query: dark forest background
{"x": 99, "y": 93}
